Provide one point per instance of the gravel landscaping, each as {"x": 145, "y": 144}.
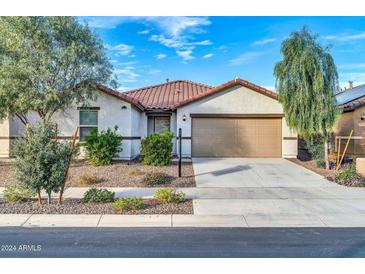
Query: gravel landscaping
{"x": 312, "y": 166}
{"x": 77, "y": 206}
{"x": 119, "y": 174}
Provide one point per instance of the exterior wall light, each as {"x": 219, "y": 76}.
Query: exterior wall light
{"x": 184, "y": 117}
{"x": 124, "y": 107}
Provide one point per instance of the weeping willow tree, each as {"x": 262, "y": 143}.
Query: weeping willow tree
{"x": 307, "y": 80}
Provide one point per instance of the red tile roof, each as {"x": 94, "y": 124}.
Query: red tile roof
{"x": 226, "y": 85}
{"x": 174, "y": 94}
{"x": 169, "y": 94}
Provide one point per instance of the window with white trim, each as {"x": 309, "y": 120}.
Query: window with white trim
{"x": 88, "y": 121}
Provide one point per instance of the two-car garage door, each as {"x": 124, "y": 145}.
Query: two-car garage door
{"x": 236, "y": 137}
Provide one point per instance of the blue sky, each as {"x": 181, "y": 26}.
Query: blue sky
{"x": 213, "y": 50}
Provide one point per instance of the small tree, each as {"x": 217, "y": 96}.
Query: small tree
{"x": 307, "y": 80}
{"x": 156, "y": 149}
{"x": 102, "y": 147}
{"x": 47, "y": 63}
{"x": 40, "y": 160}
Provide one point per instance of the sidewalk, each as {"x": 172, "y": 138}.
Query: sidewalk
{"x": 224, "y": 207}
{"x": 48, "y": 220}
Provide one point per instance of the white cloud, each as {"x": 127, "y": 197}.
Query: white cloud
{"x": 358, "y": 77}
{"x": 171, "y": 25}
{"x": 123, "y": 49}
{"x": 209, "y": 55}
{"x": 126, "y": 74}
{"x": 154, "y": 71}
{"x": 176, "y": 32}
{"x": 185, "y": 54}
{"x": 201, "y": 43}
{"x": 176, "y": 25}
{"x": 161, "y": 56}
{"x": 106, "y": 22}
{"x": 272, "y": 88}
{"x": 245, "y": 58}
{"x": 146, "y": 31}
{"x": 264, "y": 41}
{"x": 167, "y": 42}
{"x": 123, "y": 88}
{"x": 183, "y": 47}
{"x": 352, "y": 66}
{"x": 345, "y": 37}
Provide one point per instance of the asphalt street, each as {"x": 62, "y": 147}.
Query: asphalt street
{"x": 182, "y": 242}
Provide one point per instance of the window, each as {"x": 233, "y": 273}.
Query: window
{"x": 88, "y": 121}
{"x": 157, "y": 124}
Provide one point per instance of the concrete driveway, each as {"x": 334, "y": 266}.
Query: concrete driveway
{"x": 254, "y": 172}
{"x": 274, "y": 192}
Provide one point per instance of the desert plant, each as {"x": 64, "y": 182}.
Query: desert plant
{"x": 87, "y": 180}
{"x": 131, "y": 203}
{"x": 41, "y": 160}
{"x": 347, "y": 174}
{"x": 169, "y": 195}
{"x": 134, "y": 172}
{"x": 102, "y": 147}
{"x": 95, "y": 195}
{"x": 155, "y": 178}
{"x": 156, "y": 149}
{"x": 17, "y": 193}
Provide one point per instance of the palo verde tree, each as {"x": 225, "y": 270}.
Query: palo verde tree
{"x": 46, "y": 63}
{"x": 307, "y": 80}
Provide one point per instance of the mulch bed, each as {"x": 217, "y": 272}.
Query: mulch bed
{"x": 7, "y": 176}
{"x": 77, "y": 206}
{"x": 357, "y": 181}
{"x": 311, "y": 165}
{"x": 119, "y": 174}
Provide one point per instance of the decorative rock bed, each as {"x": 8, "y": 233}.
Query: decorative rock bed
{"x": 77, "y": 206}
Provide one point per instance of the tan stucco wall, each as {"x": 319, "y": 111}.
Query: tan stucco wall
{"x": 235, "y": 100}
{"x": 4, "y": 138}
{"x": 347, "y": 122}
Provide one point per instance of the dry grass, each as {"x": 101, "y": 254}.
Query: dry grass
{"x": 86, "y": 180}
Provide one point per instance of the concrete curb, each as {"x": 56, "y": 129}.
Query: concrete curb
{"x": 114, "y": 220}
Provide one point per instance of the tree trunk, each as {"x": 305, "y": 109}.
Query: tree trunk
{"x": 49, "y": 197}
{"x": 39, "y": 198}
{"x": 326, "y": 153}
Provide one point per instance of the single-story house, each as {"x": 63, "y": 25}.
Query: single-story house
{"x": 352, "y": 103}
{"x": 235, "y": 119}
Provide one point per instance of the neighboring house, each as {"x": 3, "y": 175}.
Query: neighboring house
{"x": 352, "y": 103}
{"x": 236, "y": 119}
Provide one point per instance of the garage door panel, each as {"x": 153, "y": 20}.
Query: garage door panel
{"x": 236, "y": 137}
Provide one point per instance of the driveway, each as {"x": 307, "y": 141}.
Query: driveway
{"x": 254, "y": 172}
{"x": 274, "y": 192}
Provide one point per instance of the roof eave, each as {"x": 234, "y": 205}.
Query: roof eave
{"x": 121, "y": 96}
{"x": 226, "y": 85}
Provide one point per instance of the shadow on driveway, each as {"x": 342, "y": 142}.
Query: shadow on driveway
{"x": 226, "y": 171}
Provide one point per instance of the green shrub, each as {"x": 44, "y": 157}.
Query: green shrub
{"x": 41, "y": 160}
{"x": 14, "y": 194}
{"x": 316, "y": 148}
{"x": 95, "y": 195}
{"x": 123, "y": 204}
{"x": 155, "y": 178}
{"x": 102, "y": 147}
{"x": 87, "y": 180}
{"x": 347, "y": 174}
{"x": 156, "y": 149}
{"x": 169, "y": 195}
